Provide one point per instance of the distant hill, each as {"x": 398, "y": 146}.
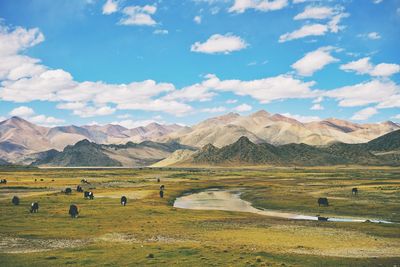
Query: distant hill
{"x": 85, "y": 153}
{"x": 243, "y": 151}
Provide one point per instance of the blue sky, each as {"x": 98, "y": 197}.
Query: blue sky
{"x": 133, "y": 62}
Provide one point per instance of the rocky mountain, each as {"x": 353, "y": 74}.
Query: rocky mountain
{"x": 86, "y": 153}
{"x": 277, "y": 129}
{"x": 21, "y": 141}
{"x": 243, "y": 151}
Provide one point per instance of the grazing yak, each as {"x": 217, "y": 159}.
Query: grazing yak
{"x": 84, "y": 181}
{"x": 73, "y": 211}
{"x": 124, "y": 200}
{"x": 79, "y": 189}
{"x": 162, "y": 187}
{"x": 158, "y": 180}
{"x": 15, "y": 200}
{"x": 324, "y": 219}
{"x": 68, "y": 190}
{"x": 161, "y": 193}
{"x": 88, "y": 195}
{"x": 3, "y": 181}
{"x": 34, "y": 207}
{"x": 354, "y": 191}
{"x": 323, "y": 201}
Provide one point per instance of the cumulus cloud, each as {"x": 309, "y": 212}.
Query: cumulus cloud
{"x": 138, "y": 15}
{"x": 317, "y": 107}
{"x": 315, "y": 12}
{"x": 364, "y": 114}
{"x": 364, "y": 66}
{"x": 243, "y": 108}
{"x": 22, "y": 111}
{"x": 24, "y": 79}
{"x": 372, "y": 92}
{"x": 109, "y": 7}
{"x": 314, "y": 61}
{"x": 241, "y": 6}
{"x": 196, "y": 92}
{"x": 264, "y": 90}
{"x": 316, "y": 29}
{"x": 29, "y": 114}
{"x": 218, "y": 43}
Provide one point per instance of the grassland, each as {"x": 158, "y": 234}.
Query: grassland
{"x": 150, "y": 231}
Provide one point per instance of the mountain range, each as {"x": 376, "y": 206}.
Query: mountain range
{"x": 384, "y": 150}
{"x": 23, "y": 142}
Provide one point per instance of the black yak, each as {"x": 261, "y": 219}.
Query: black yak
{"x": 73, "y": 211}
{"x": 354, "y": 191}
{"x": 323, "y": 201}
{"x": 88, "y": 194}
{"x": 124, "y": 200}
{"x": 34, "y": 207}
{"x": 161, "y": 194}
{"x": 15, "y": 200}
{"x": 68, "y": 190}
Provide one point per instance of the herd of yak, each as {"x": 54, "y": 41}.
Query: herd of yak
{"x": 73, "y": 209}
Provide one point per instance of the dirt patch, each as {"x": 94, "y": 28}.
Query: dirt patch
{"x": 27, "y": 245}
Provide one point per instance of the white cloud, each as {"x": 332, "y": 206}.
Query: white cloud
{"x": 372, "y": 92}
{"x": 317, "y": 29}
{"x": 302, "y": 118}
{"x": 161, "y": 32}
{"x": 139, "y": 15}
{"x": 377, "y": 1}
{"x": 22, "y": 111}
{"x": 214, "y": 110}
{"x": 364, "y": 114}
{"x": 17, "y": 40}
{"x": 264, "y": 90}
{"x": 317, "y": 107}
{"x": 241, "y": 6}
{"x": 373, "y": 35}
{"x": 196, "y": 92}
{"x": 29, "y": 114}
{"x": 314, "y": 61}
{"x": 304, "y": 31}
{"x": 197, "y": 19}
{"x": 363, "y": 66}
{"x": 109, "y": 7}
{"x": 124, "y": 116}
{"x": 315, "y": 12}
{"x": 231, "y": 101}
{"x": 218, "y": 43}
{"x": 243, "y": 108}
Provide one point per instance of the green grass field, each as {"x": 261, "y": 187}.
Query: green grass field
{"x": 150, "y": 231}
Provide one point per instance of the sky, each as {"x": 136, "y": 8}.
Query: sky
{"x": 132, "y": 62}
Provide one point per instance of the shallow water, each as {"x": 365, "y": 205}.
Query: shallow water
{"x": 216, "y": 199}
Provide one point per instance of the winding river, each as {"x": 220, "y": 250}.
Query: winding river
{"x": 229, "y": 200}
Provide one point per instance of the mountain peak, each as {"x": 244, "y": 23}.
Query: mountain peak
{"x": 260, "y": 113}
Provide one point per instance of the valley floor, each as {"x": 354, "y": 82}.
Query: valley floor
{"x": 150, "y": 231}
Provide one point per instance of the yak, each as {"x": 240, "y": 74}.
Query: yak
{"x": 161, "y": 193}
{"x": 88, "y": 195}
{"x": 34, "y": 207}
{"x": 79, "y": 189}
{"x": 73, "y": 211}
{"x": 3, "y": 181}
{"x": 15, "y": 200}
{"x": 68, "y": 190}
{"x": 323, "y": 201}
{"x": 162, "y": 187}
{"x": 124, "y": 200}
